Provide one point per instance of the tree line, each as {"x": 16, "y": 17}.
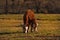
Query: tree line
{"x": 39, "y": 6}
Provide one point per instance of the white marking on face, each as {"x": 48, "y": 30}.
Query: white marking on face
{"x": 26, "y": 29}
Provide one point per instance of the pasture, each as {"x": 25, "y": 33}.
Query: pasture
{"x": 48, "y": 28}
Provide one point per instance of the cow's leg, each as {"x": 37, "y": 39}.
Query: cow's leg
{"x": 32, "y": 28}
{"x": 35, "y": 28}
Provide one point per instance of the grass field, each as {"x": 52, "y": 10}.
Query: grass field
{"x": 48, "y": 28}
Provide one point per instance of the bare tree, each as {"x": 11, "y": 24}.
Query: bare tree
{"x": 12, "y": 6}
{"x": 37, "y": 5}
{"x": 6, "y": 7}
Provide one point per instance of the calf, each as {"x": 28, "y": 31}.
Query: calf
{"x": 29, "y": 19}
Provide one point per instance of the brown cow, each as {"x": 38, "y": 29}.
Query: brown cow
{"x": 29, "y": 19}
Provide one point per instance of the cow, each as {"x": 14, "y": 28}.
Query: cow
{"x": 29, "y": 20}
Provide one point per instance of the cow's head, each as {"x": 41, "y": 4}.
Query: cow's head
{"x": 25, "y": 29}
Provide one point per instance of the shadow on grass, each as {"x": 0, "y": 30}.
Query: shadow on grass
{"x": 3, "y": 33}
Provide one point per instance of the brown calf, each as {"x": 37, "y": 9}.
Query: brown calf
{"x": 29, "y": 19}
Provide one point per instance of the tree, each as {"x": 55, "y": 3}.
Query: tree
{"x": 37, "y": 5}
{"x": 12, "y": 6}
{"x": 6, "y": 7}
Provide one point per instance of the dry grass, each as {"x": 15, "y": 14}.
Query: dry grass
{"x": 11, "y": 27}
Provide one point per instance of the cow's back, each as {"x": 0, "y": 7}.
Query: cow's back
{"x": 28, "y": 17}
